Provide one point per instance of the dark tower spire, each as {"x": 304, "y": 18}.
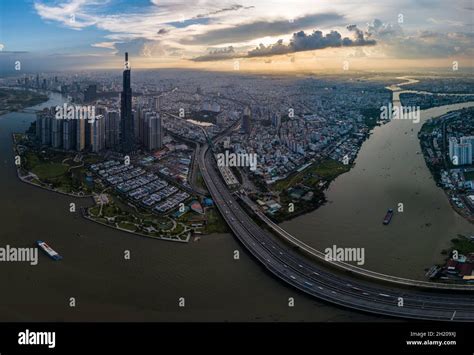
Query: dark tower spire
{"x": 127, "y": 135}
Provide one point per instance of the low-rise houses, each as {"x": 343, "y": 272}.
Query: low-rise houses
{"x": 144, "y": 189}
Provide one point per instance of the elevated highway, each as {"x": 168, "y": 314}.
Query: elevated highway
{"x": 317, "y": 280}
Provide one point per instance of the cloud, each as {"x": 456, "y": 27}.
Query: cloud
{"x": 383, "y": 30}
{"x": 360, "y": 37}
{"x": 446, "y": 22}
{"x": 301, "y": 41}
{"x": 422, "y": 44}
{"x": 184, "y": 29}
{"x": 73, "y": 14}
{"x": 217, "y": 54}
{"x": 1, "y": 47}
{"x": 261, "y": 28}
{"x": 140, "y": 47}
{"x": 226, "y": 9}
{"x": 106, "y": 45}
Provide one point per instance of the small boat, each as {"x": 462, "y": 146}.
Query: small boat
{"x": 388, "y": 216}
{"x": 48, "y": 250}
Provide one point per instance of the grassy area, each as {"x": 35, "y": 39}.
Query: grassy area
{"x": 14, "y": 100}
{"x": 428, "y": 127}
{"x": 44, "y": 169}
{"x": 128, "y": 226}
{"x": 215, "y": 222}
{"x": 110, "y": 210}
{"x": 330, "y": 169}
{"x": 57, "y": 170}
{"x": 49, "y": 170}
{"x": 469, "y": 175}
{"x": 371, "y": 116}
{"x": 125, "y": 218}
{"x": 200, "y": 181}
{"x": 463, "y": 245}
{"x": 94, "y": 211}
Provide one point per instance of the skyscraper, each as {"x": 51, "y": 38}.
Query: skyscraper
{"x": 112, "y": 129}
{"x": 80, "y": 135}
{"x": 46, "y": 123}
{"x": 158, "y": 102}
{"x": 98, "y": 134}
{"x": 127, "y": 135}
{"x": 461, "y": 153}
{"x": 452, "y": 144}
{"x": 246, "y": 121}
{"x": 468, "y": 140}
{"x": 154, "y": 138}
{"x": 464, "y": 154}
{"x": 57, "y": 133}
{"x": 69, "y": 134}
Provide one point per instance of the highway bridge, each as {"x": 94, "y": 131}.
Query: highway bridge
{"x": 315, "y": 279}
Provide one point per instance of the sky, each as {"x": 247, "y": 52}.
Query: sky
{"x": 262, "y": 35}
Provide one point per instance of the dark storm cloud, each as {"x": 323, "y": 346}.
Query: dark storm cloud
{"x": 217, "y": 54}
{"x": 261, "y": 28}
{"x": 360, "y": 36}
{"x": 162, "y": 31}
{"x": 305, "y": 42}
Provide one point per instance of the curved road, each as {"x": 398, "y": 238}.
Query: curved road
{"x": 318, "y": 281}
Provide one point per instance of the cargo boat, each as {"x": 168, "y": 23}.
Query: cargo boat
{"x": 48, "y": 250}
{"x": 388, "y": 216}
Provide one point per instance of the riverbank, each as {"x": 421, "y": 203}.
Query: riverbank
{"x": 456, "y": 181}
{"x": 144, "y": 288}
{"x": 182, "y": 237}
{"x": 387, "y": 172}
{"x": 47, "y": 174}
{"x": 12, "y": 100}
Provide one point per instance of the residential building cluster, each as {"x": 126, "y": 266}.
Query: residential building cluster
{"x": 461, "y": 152}
{"x": 139, "y": 187}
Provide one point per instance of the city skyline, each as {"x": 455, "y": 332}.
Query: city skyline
{"x": 242, "y": 161}
{"x": 214, "y": 35}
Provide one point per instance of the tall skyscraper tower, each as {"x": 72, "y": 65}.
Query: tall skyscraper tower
{"x": 112, "y": 129}
{"x": 57, "y": 133}
{"x": 80, "y": 135}
{"x": 247, "y": 121}
{"x": 154, "y": 139}
{"x": 127, "y": 135}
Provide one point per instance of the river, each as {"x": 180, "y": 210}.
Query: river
{"x": 107, "y": 287}
{"x": 216, "y": 287}
{"x": 389, "y": 170}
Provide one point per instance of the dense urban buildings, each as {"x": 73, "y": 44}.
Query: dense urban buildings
{"x": 267, "y": 161}
{"x": 90, "y": 123}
